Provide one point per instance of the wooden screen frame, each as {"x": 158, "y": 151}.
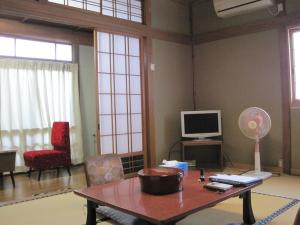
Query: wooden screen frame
{"x": 143, "y": 95}
{"x": 113, "y": 10}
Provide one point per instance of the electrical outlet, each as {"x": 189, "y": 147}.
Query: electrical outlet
{"x": 152, "y": 67}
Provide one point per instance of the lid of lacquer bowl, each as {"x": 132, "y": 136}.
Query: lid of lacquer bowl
{"x": 160, "y": 172}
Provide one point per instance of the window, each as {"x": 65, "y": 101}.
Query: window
{"x": 34, "y": 94}
{"x": 120, "y": 97}
{"x": 123, "y": 9}
{"x": 15, "y": 47}
{"x": 295, "y": 66}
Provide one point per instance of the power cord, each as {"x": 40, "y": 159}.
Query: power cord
{"x": 171, "y": 148}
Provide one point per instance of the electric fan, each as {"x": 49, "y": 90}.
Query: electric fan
{"x": 255, "y": 123}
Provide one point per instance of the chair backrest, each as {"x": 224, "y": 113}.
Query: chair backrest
{"x": 297, "y": 219}
{"x": 60, "y": 138}
{"x": 103, "y": 169}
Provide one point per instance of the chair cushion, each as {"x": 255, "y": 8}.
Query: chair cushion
{"x": 60, "y": 134}
{"x": 44, "y": 159}
{"x": 120, "y": 217}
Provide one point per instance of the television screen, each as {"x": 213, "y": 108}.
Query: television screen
{"x": 201, "y": 123}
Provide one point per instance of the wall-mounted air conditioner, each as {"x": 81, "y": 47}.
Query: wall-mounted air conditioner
{"x": 228, "y": 8}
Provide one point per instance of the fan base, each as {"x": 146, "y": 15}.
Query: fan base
{"x": 261, "y": 174}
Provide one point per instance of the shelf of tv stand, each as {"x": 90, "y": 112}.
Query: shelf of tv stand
{"x": 201, "y": 142}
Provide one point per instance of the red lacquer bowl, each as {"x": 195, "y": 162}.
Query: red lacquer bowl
{"x": 162, "y": 180}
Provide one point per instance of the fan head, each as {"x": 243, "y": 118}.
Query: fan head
{"x": 255, "y": 123}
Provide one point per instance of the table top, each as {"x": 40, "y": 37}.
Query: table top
{"x": 126, "y": 196}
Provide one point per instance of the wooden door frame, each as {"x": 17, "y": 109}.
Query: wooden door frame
{"x": 285, "y": 92}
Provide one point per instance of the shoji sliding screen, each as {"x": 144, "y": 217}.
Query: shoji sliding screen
{"x": 120, "y": 99}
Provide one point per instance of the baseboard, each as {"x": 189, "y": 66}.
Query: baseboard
{"x": 295, "y": 172}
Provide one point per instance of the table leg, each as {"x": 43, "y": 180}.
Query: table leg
{"x": 91, "y": 213}
{"x": 12, "y": 178}
{"x": 248, "y": 216}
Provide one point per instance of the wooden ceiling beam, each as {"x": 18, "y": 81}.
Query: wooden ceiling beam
{"x": 60, "y": 14}
{"x": 44, "y": 33}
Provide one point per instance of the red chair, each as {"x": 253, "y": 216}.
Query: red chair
{"x": 60, "y": 156}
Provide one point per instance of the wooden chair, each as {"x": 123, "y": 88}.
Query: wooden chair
{"x": 104, "y": 169}
{"x": 59, "y": 156}
{"x": 7, "y": 163}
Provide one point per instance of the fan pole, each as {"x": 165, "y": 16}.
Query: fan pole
{"x": 257, "y": 156}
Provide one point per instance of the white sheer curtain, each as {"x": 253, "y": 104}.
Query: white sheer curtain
{"x": 34, "y": 94}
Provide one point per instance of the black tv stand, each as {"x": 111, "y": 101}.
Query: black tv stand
{"x": 205, "y": 142}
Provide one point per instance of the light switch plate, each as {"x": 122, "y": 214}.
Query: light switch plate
{"x": 152, "y": 67}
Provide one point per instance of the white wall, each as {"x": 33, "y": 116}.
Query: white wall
{"x": 172, "y": 92}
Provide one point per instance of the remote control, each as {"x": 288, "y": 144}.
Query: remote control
{"x": 218, "y": 186}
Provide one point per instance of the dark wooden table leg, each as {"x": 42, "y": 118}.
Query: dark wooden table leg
{"x": 91, "y": 213}
{"x": 12, "y": 178}
{"x": 248, "y": 216}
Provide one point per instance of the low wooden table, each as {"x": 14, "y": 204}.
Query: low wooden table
{"x": 168, "y": 209}
{"x": 7, "y": 162}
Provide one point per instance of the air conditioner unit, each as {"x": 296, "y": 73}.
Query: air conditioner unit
{"x": 228, "y": 8}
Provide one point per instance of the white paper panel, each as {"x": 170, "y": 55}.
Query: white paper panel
{"x": 57, "y": 1}
{"x": 122, "y": 9}
{"x": 104, "y": 62}
{"x": 120, "y": 64}
{"x": 121, "y": 123}
{"x": 135, "y": 85}
{"x": 7, "y": 46}
{"x": 104, "y": 83}
{"x": 122, "y": 144}
{"x": 93, "y": 5}
{"x": 137, "y": 142}
{"x": 136, "y": 122}
{"x": 106, "y": 125}
{"x": 76, "y": 3}
{"x": 134, "y": 65}
{"x": 107, "y": 6}
{"x": 105, "y": 104}
{"x": 120, "y": 84}
{"x": 136, "y": 19}
{"x": 106, "y": 145}
{"x": 136, "y": 104}
{"x": 103, "y": 42}
{"x": 136, "y": 3}
{"x": 119, "y": 44}
{"x": 121, "y": 104}
{"x": 134, "y": 46}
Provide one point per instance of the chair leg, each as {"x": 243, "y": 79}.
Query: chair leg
{"x": 12, "y": 178}
{"x": 40, "y": 173}
{"x": 29, "y": 172}
{"x": 57, "y": 171}
{"x": 68, "y": 169}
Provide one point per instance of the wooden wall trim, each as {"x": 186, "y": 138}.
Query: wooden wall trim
{"x": 44, "y": 33}
{"x": 149, "y": 96}
{"x": 285, "y": 90}
{"x": 60, "y": 14}
{"x": 252, "y": 27}
{"x": 170, "y": 36}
